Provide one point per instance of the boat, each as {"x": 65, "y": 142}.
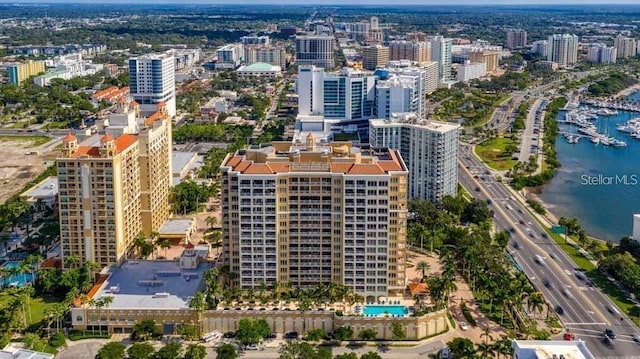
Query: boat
{"x": 626, "y": 128}
{"x": 619, "y": 143}
{"x": 595, "y": 140}
{"x": 606, "y": 112}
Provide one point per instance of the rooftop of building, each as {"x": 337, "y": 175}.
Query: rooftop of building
{"x": 260, "y": 66}
{"x": 548, "y": 349}
{"x": 90, "y": 147}
{"x": 180, "y": 160}
{"x": 158, "y": 55}
{"x": 151, "y": 284}
{"x": 315, "y": 156}
{"x": 47, "y": 188}
{"x": 177, "y": 226}
{"x": 11, "y": 351}
{"x": 52, "y": 74}
{"x": 412, "y": 119}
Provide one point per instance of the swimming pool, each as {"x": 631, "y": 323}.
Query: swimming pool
{"x": 384, "y": 309}
{"x": 17, "y": 280}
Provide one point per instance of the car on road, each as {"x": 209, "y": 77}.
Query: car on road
{"x": 543, "y": 234}
{"x": 552, "y": 255}
{"x": 538, "y": 259}
{"x": 477, "y": 189}
{"x": 609, "y": 333}
{"x": 463, "y": 326}
{"x": 613, "y": 310}
{"x": 516, "y": 245}
{"x": 607, "y": 341}
{"x": 521, "y": 221}
{"x": 566, "y": 293}
{"x": 559, "y": 310}
{"x": 532, "y": 235}
{"x": 547, "y": 283}
{"x": 251, "y": 347}
{"x": 489, "y": 202}
{"x": 580, "y": 275}
{"x": 636, "y": 338}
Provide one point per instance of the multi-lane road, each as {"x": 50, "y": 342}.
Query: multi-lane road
{"x": 585, "y": 309}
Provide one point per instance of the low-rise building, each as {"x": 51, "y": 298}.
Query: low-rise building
{"x": 471, "y": 71}
{"x": 44, "y": 194}
{"x": 535, "y": 349}
{"x": 259, "y": 69}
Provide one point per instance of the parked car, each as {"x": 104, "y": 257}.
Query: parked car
{"x": 445, "y": 353}
{"x": 291, "y": 335}
{"x": 463, "y": 326}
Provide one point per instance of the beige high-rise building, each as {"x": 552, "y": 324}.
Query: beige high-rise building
{"x": 112, "y": 186}
{"x": 626, "y": 47}
{"x": 274, "y": 55}
{"x": 490, "y": 58}
{"x": 374, "y": 57}
{"x": 418, "y": 51}
{"x": 316, "y": 212}
{"x": 563, "y": 49}
{"x": 19, "y": 72}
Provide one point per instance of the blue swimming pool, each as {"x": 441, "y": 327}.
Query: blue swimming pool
{"x": 384, "y": 309}
{"x": 17, "y": 280}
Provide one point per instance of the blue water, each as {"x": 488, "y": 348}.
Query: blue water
{"x": 19, "y": 279}
{"x": 382, "y": 309}
{"x": 605, "y": 207}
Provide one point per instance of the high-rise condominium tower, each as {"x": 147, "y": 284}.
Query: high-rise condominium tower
{"x": 315, "y": 50}
{"x": 316, "y": 212}
{"x": 152, "y": 80}
{"x": 112, "y": 186}
{"x": 563, "y": 49}
{"x": 429, "y": 148}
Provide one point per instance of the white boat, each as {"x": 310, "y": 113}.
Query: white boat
{"x": 619, "y": 143}
{"x": 595, "y": 140}
{"x": 606, "y": 112}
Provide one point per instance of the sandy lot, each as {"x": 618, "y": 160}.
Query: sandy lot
{"x": 17, "y": 167}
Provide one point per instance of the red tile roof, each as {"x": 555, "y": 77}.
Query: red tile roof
{"x": 258, "y": 168}
{"x": 365, "y": 169}
{"x": 69, "y": 137}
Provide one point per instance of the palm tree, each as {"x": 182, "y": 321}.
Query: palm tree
{"x": 486, "y": 333}
{"x": 486, "y": 350}
{"x": 164, "y": 244}
{"x": 72, "y": 260}
{"x": 424, "y": 267}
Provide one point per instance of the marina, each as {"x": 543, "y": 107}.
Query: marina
{"x": 582, "y": 156}
{"x": 581, "y": 125}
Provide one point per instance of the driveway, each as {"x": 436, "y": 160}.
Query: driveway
{"x": 83, "y": 349}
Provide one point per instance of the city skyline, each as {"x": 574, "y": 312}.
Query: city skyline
{"x": 340, "y": 2}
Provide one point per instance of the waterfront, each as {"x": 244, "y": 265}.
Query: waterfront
{"x": 597, "y": 184}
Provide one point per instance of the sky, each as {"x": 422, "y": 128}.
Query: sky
{"x": 341, "y": 2}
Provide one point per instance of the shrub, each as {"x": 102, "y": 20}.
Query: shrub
{"x": 79, "y": 335}
{"x": 57, "y": 340}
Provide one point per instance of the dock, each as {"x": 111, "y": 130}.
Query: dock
{"x": 631, "y": 106}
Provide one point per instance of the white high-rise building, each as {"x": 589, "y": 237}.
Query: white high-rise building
{"x": 315, "y": 50}
{"x": 345, "y": 96}
{"x": 429, "y": 148}
{"x": 626, "y": 46}
{"x": 471, "y": 71}
{"x": 404, "y": 89}
{"x": 600, "y": 53}
{"x": 563, "y": 49}
{"x": 229, "y": 56}
{"x": 441, "y": 52}
{"x": 152, "y": 80}
{"x": 540, "y": 47}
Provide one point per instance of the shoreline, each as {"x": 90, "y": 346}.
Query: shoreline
{"x": 628, "y": 91}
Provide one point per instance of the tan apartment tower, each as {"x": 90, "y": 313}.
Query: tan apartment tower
{"x": 316, "y": 212}
{"x": 112, "y": 186}
{"x": 374, "y": 57}
{"x": 489, "y": 58}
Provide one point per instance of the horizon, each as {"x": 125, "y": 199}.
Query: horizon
{"x": 334, "y": 2}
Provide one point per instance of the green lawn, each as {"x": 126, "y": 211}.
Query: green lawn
{"x": 35, "y": 140}
{"x": 37, "y": 305}
{"x": 492, "y": 152}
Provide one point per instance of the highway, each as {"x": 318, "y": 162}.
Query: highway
{"x": 585, "y": 308}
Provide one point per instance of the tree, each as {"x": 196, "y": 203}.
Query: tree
{"x": 145, "y": 330}
{"x": 171, "y": 350}
{"x": 424, "y": 267}
{"x": 226, "y": 351}
{"x": 368, "y": 334}
{"x": 343, "y": 333}
{"x": 315, "y": 335}
{"x": 195, "y": 351}
{"x": 461, "y": 348}
{"x": 140, "y": 351}
{"x": 370, "y": 355}
{"x": 34, "y": 342}
{"x": 302, "y": 350}
{"x": 111, "y": 350}
{"x": 351, "y": 355}
{"x": 250, "y": 331}
{"x": 397, "y": 331}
